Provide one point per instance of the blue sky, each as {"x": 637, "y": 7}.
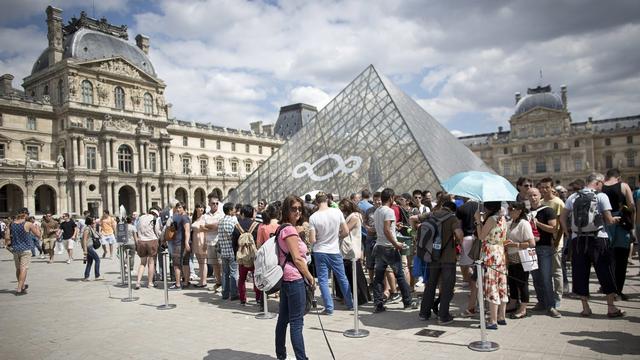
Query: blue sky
{"x": 234, "y": 62}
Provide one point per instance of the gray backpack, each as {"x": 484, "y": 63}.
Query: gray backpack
{"x": 585, "y": 216}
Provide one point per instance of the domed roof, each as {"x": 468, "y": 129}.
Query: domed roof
{"x": 547, "y": 100}
{"x": 86, "y": 44}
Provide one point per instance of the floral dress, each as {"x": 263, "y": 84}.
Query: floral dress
{"x": 495, "y": 276}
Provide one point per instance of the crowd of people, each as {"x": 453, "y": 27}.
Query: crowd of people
{"x": 396, "y": 241}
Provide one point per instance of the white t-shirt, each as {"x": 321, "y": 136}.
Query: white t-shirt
{"x": 522, "y": 232}
{"x": 356, "y": 234}
{"x": 212, "y": 235}
{"x": 146, "y": 230}
{"x": 603, "y": 205}
{"x": 384, "y": 213}
{"x": 326, "y": 224}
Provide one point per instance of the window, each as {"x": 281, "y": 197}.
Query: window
{"x": 2, "y": 151}
{"x": 119, "y": 97}
{"x": 219, "y": 165}
{"x": 185, "y": 141}
{"x": 32, "y": 152}
{"x": 506, "y": 168}
{"x": 218, "y": 145}
{"x": 505, "y": 151}
{"x": 148, "y": 104}
{"x": 46, "y": 90}
{"x": 246, "y": 148}
{"x": 524, "y": 168}
{"x": 202, "y": 143}
{"x": 91, "y": 158}
{"x": 523, "y": 149}
{"x": 125, "y": 159}
{"x": 186, "y": 166}
{"x": 576, "y": 143}
{"x": 233, "y": 146}
{"x": 31, "y": 123}
{"x": 607, "y": 141}
{"x": 539, "y": 130}
{"x": 234, "y": 166}
{"x": 608, "y": 161}
{"x": 152, "y": 161}
{"x": 631, "y": 159}
{"x": 541, "y": 166}
{"x": 87, "y": 92}
{"x": 203, "y": 167}
{"x": 555, "y": 146}
{"x": 1, "y": 122}
{"x": 556, "y": 164}
{"x": 523, "y": 132}
{"x": 60, "y": 92}
{"x": 260, "y": 149}
{"x": 578, "y": 164}
{"x": 247, "y": 167}
{"x": 90, "y": 124}
{"x": 629, "y": 139}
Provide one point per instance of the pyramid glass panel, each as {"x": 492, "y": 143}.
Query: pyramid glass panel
{"x": 371, "y": 135}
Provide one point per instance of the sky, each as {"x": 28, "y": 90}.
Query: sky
{"x": 234, "y": 62}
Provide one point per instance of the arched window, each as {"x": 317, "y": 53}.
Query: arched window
{"x": 125, "y": 159}
{"x": 119, "y": 97}
{"x": 60, "y": 92}
{"x": 148, "y": 103}
{"x": 87, "y": 92}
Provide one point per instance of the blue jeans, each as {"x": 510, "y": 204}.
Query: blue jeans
{"x": 389, "y": 256}
{"x": 333, "y": 261}
{"x": 229, "y": 278}
{"x": 542, "y": 278}
{"x": 291, "y": 311}
{"x": 92, "y": 256}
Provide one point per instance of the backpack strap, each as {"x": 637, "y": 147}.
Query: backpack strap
{"x": 287, "y": 256}
{"x": 253, "y": 227}
{"x": 239, "y": 228}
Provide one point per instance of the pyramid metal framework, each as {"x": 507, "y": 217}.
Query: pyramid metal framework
{"x": 371, "y": 135}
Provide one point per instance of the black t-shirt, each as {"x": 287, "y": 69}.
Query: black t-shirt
{"x": 544, "y": 216}
{"x": 179, "y": 221}
{"x": 68, "y": 227}
{"x": 466, "y": 214}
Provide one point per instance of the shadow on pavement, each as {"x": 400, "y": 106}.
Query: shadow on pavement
{"x": 226, "y": 354}
{"x": 74, "y": 279}
{"x": 607, "y": 342}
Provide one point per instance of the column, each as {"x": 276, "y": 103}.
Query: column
{"x": 73, "y": 153}
{"x": 83, "y": 197}
{"x": 29, "y": 199}
{"x": 145, "y": 156}
{"x": 76, "y": 197}
{"x": 107, "y": 156}
{"x": 141, "y": 166}
{"x": 114, "y": 198}
{"x": 83, "y": 159}
{"x": 61, "y": 195}
{"x": 109, "y": 199}
{"x": 163, "y": 195}
{"x": 166, "y": 158}
{"x": 143, "y": 197}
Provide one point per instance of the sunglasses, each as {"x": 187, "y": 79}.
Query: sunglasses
{"x": 214, "y": 203}
{"x": 296, "y": 208}
{"x": 527, "y": 185}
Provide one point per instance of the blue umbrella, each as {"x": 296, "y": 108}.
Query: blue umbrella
{"x": 481, "y": 186}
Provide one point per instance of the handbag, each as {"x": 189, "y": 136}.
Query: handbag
{"x": 528, "y": 259}
{"x": 309, "y": 295}
{"x": 95, "y": 238}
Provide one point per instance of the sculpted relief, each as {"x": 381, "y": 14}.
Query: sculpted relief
{"x": 120, "y": 67}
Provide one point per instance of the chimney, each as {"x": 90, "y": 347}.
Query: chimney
{"x": 517, "y": 97}
{"x": 6, "y": 88}
{"x": 499, "y": 129}
{"x": 256, "y": 127}
{"x": 267, "y": 129}
{"x": 54, "y": 34}
{"x": 142, "y": 41}
{"x": 563, "y": 91}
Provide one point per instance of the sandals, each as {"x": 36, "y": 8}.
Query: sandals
{"x": 615, "y": 314}
{"x": 468, "y": 313}
{"x": 584, "y": 313}
{"x": 518, "y": 315}
{"x": 199, "y": 286}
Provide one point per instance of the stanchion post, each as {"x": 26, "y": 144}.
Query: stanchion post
{"x": 122, "y": 275}
{"x": 483, "y": 345}
{"x": 265, "y": 314}
{"x": 166, "y": 305}
{"x": 356, "y": 332}
{"x": 130, "y": 298}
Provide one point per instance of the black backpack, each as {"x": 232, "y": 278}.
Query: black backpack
{"x": 585, "y": 216}
{"x": 429, "y": 245}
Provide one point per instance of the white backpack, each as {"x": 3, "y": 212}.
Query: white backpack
{"x": 268, "y": 272}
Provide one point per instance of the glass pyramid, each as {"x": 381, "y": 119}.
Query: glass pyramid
{"x": 371, "y": 135}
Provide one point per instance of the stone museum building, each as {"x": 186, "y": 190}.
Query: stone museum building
{"x": 544, "y": 141}
{"x": 92, "y": 131}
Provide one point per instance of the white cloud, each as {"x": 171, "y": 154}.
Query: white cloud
{"x": 309, "y": 95}
{"x": 458, "y": 133}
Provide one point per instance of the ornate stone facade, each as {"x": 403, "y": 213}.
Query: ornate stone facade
{"x": 544, "y": 141}
{"x": 96, "y": 133}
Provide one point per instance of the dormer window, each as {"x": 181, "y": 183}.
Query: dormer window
{"x": 119, "y": 97}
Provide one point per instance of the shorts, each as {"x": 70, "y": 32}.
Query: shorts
{"x": 107, "y": 239}
{"x": 49, "y": 244}
{"x": 213, "y": 257}
{"x": 69, "y": 244}
{"x": 147, "y": 248}
{"x": 22, "y": 259}
{"x": 179, "y": 255}
{"x": 467, "y": 243}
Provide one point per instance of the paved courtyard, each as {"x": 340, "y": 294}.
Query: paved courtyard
{"x": 64, "y": 318}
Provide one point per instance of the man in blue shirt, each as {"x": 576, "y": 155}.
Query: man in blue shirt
{"x": 18, "y": 239}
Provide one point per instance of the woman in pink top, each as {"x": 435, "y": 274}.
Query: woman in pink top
{"x": 270, "y": 219}
{"x": 292, "y": 292}
{"x": 199, "y": 242}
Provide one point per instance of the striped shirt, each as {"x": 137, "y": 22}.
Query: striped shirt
{"x": 225, "y": 229}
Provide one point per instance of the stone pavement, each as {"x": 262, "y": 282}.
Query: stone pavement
{"x": 63, "y": 318}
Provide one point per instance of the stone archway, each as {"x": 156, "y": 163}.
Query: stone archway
{"x": 11, "y": 200}
{"x": 217, "y": 192}
{"x": 127, "y": 198}
{"x": 45, "y": 200}
{"x": 200, "y": 197}
{"x": 182, "y": 195}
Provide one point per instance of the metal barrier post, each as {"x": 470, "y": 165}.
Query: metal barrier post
{"x": 166, "y": 305}
{"x": 265, "y": 314}
{"x": 121, "y": 255}
{"x": 483, "y": 345}
{"x": 130, "y": 298}
{"x": 356, "y": 332}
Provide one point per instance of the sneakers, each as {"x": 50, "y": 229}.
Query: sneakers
{"x": 99, "y": 278}
{"x": 448, "y": 320}
{"x": 379, "y": 308}
{"x": 394, "y": 297}
{"x": 423, "y": 317}
{"x": 554, "y": 313}
{"x": 412, "y": 305}
{"x": 539, "y": 307}
{"x": 174, "y": 287}
{"x": 86, "y": 280}
{"x": 492, "y": 327}
{"x": 566, "y": 289}
{"x": 327, "y": 313}
{"x": 502, "y": 322}
{"x": 68, "y": 261}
